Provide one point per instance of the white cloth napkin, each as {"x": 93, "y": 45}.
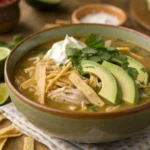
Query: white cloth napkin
{"x": 139, "y": 141}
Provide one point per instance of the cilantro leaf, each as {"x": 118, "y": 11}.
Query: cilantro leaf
{"x": 15, "y": 40}
{"x": 132, "y": 72}
{"x": 105, "y": 56}
{"x": 95, "y": 58}
{"x": 89, "y": 51}
{"x": 111, "y": 49}
{"x": 93, "y": 108}
{"x": 143, "y": 69}
{"x": 2, "y": 43}
{"x": 73, "y": 52}
{"x": 94, "y": 41}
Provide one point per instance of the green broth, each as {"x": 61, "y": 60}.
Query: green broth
{"x": 41, "y": 50}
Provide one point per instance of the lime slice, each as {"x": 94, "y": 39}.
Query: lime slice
{"x": 3, "y": 93}
{"x": 4, "y": 52}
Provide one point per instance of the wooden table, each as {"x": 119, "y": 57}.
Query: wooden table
{"x": 33, "y": 20}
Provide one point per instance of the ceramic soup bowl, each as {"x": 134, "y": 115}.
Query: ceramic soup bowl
{"x": 75, "y": 126}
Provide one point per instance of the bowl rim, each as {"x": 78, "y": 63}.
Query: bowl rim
{"x": 75, "y": 19}
{"x": 72, "y": 114}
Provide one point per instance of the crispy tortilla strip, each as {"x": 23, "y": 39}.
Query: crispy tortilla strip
{"x": 2, "y": 143}
{"x": 2, "y": 117}
{"x": 93, "y": 81}
{"x": 126, "y": 50}
{"x": 25, "y": 85}
{"x": 51, "y": 76}
{"x": 54, "y": 75}
{"x": 53, "y": 81}
{"x": 54, "y": 71}
{"x": 86, "y": 89}
{"x": 41, "y": 81}
{"x": 28, "y": 143}
{"x": 65, "y": 80}
{"x": 9, "y": 131}
{"x": 61, "y": 84}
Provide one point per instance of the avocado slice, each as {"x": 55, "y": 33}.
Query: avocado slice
{"x": 143, "y": 75}
{"x": 127, "y": 84}
{"x": 110, "y": 88}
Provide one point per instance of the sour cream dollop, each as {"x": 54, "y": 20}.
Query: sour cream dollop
{"x": 58, "y": 50}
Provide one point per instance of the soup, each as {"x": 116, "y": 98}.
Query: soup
{"x": 86, "y": 74}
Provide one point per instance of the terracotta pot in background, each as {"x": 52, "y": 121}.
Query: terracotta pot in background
{"x": 9, "y": 16}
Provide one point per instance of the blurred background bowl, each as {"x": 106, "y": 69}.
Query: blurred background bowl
{"x": 85, "y": 10}
{"x": 44, "y": 4}
{"x": 9, "y": 15}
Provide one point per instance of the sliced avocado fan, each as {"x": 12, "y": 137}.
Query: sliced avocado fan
{"x": 142, "y": 73}
{"x": 110, "y": 88}
{"x": 127, "y": 84}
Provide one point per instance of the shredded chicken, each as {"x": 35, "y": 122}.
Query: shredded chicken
{"x": 68, "y": 94}
{"x": 53, "y": 81}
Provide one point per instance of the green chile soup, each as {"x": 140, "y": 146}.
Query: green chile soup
{"x": 86, "y": 74}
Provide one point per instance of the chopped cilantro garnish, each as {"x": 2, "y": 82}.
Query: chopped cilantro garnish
{"x": 143, "y": 69}
{"x": 132, "y": 72}
{"x": 94, "y": 41}
{"x": 96, "y": 51}
{"x": 93, "y": 108}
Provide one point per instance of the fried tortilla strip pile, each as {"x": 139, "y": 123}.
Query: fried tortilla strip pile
{"x": 41, "y": 81}
{"x": 9, "y": 131}
{"x": 86, "y": 89}
{"x": 28, "y": 143}
{"x": 53, "y": 81}
{"x": 2, "y": 143}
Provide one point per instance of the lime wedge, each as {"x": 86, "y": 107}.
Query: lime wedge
{"x": 4, "y": 52}
{"x": 3, "y": 93}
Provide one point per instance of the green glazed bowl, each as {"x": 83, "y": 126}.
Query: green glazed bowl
{"x": 75, "y": 126}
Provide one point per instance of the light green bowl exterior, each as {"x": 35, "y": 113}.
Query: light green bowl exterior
{"x": 87, "y": 130}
